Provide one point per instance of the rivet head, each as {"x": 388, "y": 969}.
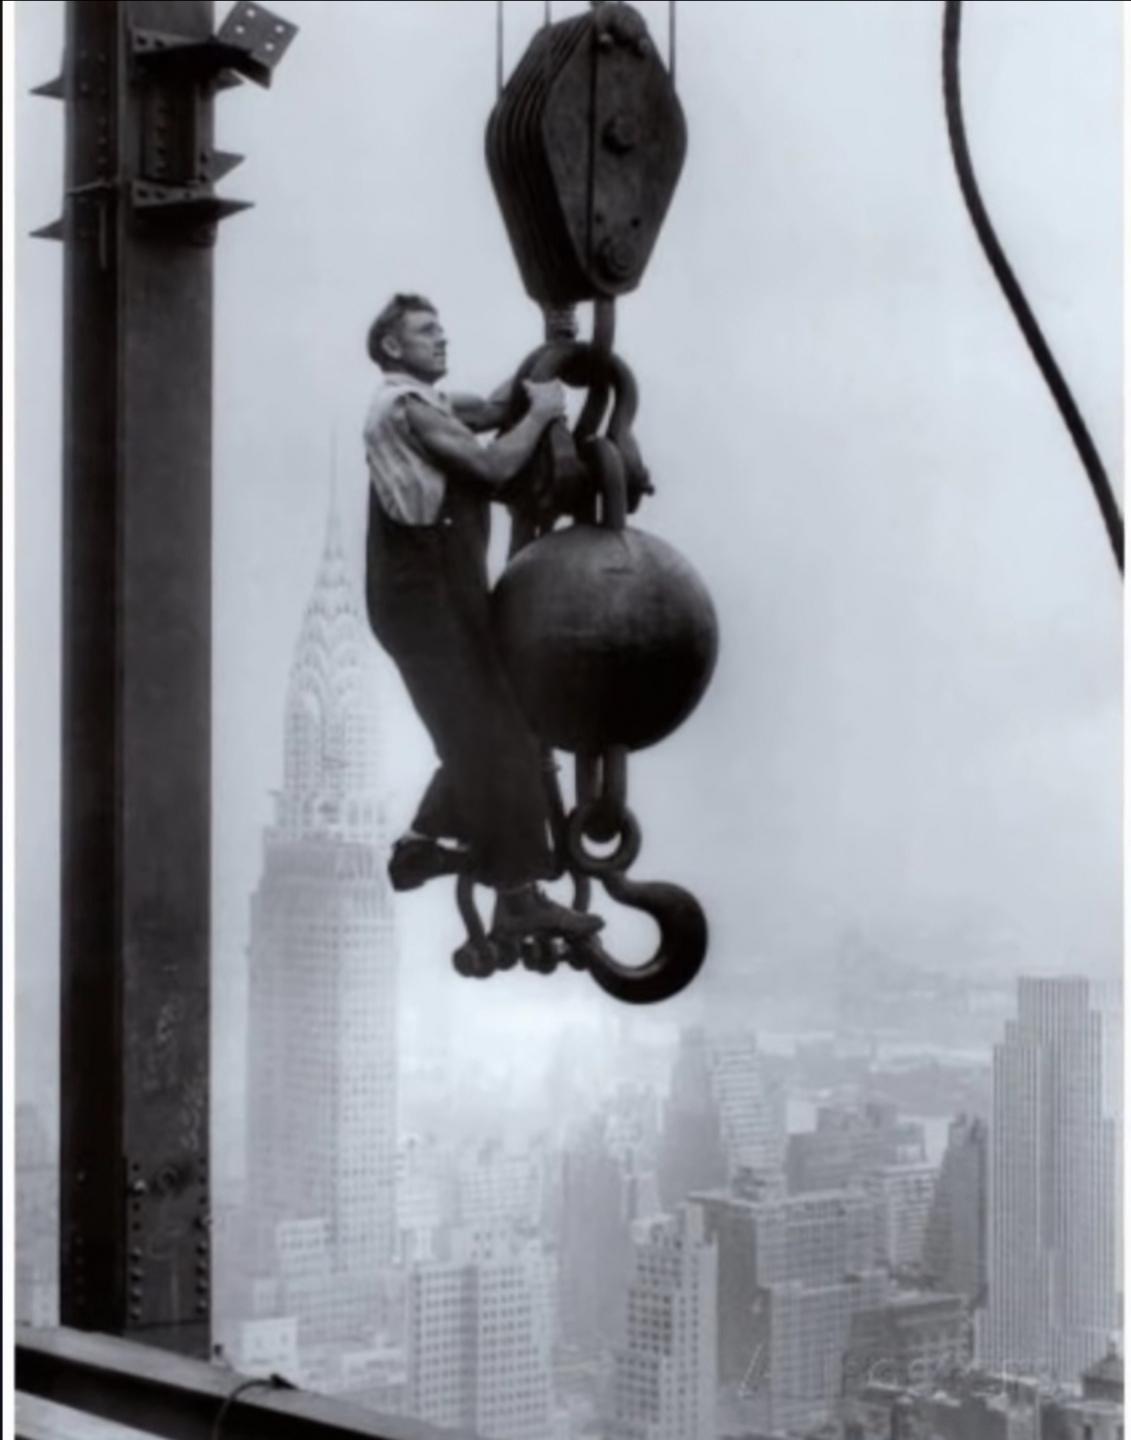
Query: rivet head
{"x": 617, "y": 257}
{"x": 621, "y": 133}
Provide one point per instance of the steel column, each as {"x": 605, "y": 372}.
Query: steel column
{"x": 136, "y": 694}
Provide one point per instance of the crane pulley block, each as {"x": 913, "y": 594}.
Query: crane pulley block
{"x": 585, "y": 148}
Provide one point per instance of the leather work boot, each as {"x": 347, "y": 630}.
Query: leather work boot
{"x": 519, "y": 913}
{"x": 416, "y": 859}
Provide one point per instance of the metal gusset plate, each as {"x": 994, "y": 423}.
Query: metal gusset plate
{"x": 263, "y": 37}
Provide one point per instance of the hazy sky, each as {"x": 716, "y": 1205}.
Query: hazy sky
{"x": 915, "y": 724}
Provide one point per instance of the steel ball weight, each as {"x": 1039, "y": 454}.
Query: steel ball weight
{"x": 609, "y": 637}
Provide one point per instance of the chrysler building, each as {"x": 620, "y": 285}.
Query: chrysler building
{"x": 323, "y": 967}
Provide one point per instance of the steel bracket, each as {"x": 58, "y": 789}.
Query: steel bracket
{"x": 263, "y": 37}
{"x": 200, "y": 62}
{"x": 181, "y": 203}
{"x": 251, "y": 42}
{"x": 52, "y": 89}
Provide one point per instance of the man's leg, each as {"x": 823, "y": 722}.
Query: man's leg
{"x": 435, "y": 815}
{"x": 418, "y": 855}
{"x": 429, "y": 607}
{"x": 492, "y": 791}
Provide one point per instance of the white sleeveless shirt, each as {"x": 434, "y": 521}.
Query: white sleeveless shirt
{"x": 409, "y": 486}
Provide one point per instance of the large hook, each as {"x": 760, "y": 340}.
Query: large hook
{"x": 681, "y": 951}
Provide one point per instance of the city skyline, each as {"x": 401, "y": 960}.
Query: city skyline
{"x": 812, "y": 1303}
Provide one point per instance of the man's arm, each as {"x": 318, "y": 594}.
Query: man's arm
{"x": 479, "y": 414}
{"x": 454, "y": 449}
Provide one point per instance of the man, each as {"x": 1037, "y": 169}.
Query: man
{"x": 428, "y": 597}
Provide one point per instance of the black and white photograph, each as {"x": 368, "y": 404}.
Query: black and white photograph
{"x": 564, "y": 719}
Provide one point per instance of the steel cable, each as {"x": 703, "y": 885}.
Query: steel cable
{"x": 1038, "y": 346}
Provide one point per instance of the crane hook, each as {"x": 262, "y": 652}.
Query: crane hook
{"x": 679, "y": 955}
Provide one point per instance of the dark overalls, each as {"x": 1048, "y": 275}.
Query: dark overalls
{"x": 427, "y": 594}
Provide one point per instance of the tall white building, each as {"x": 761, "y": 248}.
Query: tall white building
{"x": 480, "y": 1337}
{"x": 724, "y": 1116}
{"x": 1052, "y": 1190}
{"x": 666, "y": 1377}
{"x": 322, "y": 1000}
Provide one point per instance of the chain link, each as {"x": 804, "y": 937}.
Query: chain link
{"x": 601, "y": 783}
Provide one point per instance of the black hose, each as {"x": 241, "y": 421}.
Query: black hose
{"x": 1038, "y": 346}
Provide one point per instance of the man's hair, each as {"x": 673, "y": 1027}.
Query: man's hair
{"x": 388, "y": 322}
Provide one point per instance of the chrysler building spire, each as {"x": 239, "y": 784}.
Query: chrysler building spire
{"x": 332, "y": 752}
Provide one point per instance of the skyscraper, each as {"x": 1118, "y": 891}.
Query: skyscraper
{"x": 426, "y": 1198}
{"x": 665, "y": 1379}
{"x": 724, "y": 1116}
{"x": 479, "y": 1337}
{"x": 601, "y": 1195}
{"x": 904, "y": 1195}
{"x": 849, "y": 1143}
{"x": 501, "y": 1187}
{"x": 793, "y": 1271}
{"x": 955, "y": 1243}
{"x": 322, "y": 1029}
{"x": 1052, "y": 1187}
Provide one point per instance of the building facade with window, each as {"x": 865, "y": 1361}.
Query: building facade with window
{"x": 480, "y": 1337}
{"x": 665, "y": 1380}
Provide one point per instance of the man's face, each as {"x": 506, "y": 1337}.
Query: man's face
{"x": 420, "y": 346}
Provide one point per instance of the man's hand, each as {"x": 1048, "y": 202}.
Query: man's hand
{"x": 452, "y": 447}
{"x": 547, "y": 399}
